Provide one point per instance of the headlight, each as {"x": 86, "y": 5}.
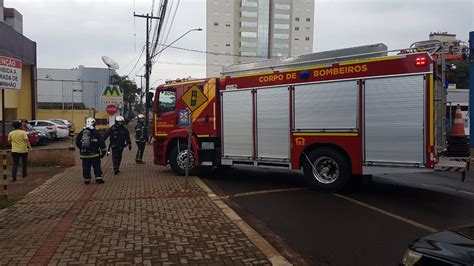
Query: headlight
{"x": 411, "y": 257}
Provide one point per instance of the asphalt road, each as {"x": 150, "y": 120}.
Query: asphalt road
{"x": 372, "y": 225}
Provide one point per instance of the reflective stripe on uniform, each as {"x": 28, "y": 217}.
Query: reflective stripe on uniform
{"x": 98, "y": 178}
{"x": 89, "y": 156}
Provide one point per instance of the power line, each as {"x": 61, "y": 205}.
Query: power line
{"x": 170, "y": 25}
{"x": 140, "y": 57}
{"x": 133, "y": 60}
{"x": 213, "y": 53}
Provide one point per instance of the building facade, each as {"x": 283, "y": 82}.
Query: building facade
{"x": 73, "y": 94}
{"x": 19, "y": 104}
{"x": 63, "y": 88}
{"x": 453, "y": 48}
{"x": 245, "y": 31}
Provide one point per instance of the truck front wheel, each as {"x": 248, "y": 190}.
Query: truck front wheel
{"x": 327, "y": 169}
{"x": 178, "y": 160}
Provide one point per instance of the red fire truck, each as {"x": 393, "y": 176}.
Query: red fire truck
{"x": 336, "y": 118}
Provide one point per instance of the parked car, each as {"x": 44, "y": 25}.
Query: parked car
{"x": 45, "y": 126}
{"x": 451, "y": 247}
{"x": 44, "y": 137}
{"x": 47, "y": 134}
{"x": 66, "y": 122}
{"x": 33, "y": 137}
{"x": 63, "y": 130}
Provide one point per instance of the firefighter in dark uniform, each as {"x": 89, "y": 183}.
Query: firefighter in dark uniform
{"x": 119, "y": 139}
{"x": 141, "y": 137}
{"x": 92, "y": 148}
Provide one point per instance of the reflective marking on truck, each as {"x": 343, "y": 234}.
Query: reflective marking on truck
{"x": 335, "y": 134}
{"x": 431, "y": 110}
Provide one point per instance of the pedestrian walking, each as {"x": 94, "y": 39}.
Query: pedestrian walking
{"x": 20, "y": 145}
{"x": 141, "y": 137}
{"x": 119, "y": 139}
{"x": 92, "y": 148}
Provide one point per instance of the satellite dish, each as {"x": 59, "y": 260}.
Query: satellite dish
{"x": 110, "y": 62}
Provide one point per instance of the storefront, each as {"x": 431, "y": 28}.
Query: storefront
{"x": 20, "y": 104}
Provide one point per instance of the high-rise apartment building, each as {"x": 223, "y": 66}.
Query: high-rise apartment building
{"x": 241, "y": 31}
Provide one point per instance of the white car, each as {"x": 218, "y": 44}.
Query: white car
{"x": 62, "y": 131}
{"x": 66, "y": 122}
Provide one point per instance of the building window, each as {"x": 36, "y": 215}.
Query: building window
{"x": 307, "y": 38}
{"x": 297, "y": 28}
{"x": 248, "y": 44}
{"x": 281, "y": 36}
{"x": 282, "y": 16}
{"x": 227, "y": 24}
{"x": 308, "y": 20}
{"x": 281, "y": 45}
{"x": 248, "y": 14}
{"x": 254, "y": 54}
{"x": 248, "y": 34}
{"x": 216, "y": 23}
{"x": 247, "y": 3}
{"x": 248, "y": 24}
{"x": 297, "y": 19}
{"x": 297, "y": 39}
{"x": 281, "y": 26}
{"x": 282, "y": 6}
{"x": 227, "y": 44}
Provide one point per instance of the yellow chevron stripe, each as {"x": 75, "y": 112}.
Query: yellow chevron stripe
{"x": 210, "y": 92}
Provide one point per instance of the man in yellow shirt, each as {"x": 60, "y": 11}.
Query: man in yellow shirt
{"x": 20, "y": 146}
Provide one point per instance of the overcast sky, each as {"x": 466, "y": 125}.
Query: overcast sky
{"x": 69, "y": 33}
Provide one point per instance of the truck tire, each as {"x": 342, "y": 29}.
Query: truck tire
{"x": 178, "y": 160}
{"x": 327, "y": 169}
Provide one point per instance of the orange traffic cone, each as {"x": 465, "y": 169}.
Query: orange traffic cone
{"x": 458, "y": 126}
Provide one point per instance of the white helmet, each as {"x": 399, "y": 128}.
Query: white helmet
{"x": 90, "y": 123}
{"x": 119, "y": 118}
{"x": 141, "y": 117}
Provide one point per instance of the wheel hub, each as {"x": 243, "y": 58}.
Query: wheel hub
{"x": 182, "y": 159}
{"x": 326, "y": 170}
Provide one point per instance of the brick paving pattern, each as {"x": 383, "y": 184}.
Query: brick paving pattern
{"x": 142, "y": 216}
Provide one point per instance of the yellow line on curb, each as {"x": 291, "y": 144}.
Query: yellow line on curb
{"x": 397, "y": 217}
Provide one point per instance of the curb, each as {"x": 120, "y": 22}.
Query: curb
{"x": 261, "y": 243}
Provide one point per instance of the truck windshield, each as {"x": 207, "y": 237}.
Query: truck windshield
{"x": 166, "y": 101}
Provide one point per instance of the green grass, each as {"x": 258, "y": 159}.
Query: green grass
{"x": 7, "y": 202}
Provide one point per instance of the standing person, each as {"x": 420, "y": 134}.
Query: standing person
{"x": 119, "y": 139}
{"x": 20, "y": 145}
{"x": 141, "y": 137}
{"x": 92, "y": 148}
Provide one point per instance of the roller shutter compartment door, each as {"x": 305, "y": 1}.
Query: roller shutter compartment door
{"x": 237, "y": 123}
{"x": 273, "y": 123}
{"x": 394, "y": 119}
{"x": 327, "y": 106}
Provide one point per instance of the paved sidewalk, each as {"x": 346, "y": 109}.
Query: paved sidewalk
{"x": 141, "y": 216}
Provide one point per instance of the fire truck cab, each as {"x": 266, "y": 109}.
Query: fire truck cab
{"x": 334, "y": 117}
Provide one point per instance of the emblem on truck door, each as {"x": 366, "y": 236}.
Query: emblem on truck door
{"x": 194, "y": 98}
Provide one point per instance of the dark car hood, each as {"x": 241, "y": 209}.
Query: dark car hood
{"x": 456, "y": 245}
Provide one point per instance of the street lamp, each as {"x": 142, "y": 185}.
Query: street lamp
{"x": 148, "y": 72}
{"x": 180, "y": 37}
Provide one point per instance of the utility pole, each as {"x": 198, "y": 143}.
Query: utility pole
{"x": 471, "y": 86}
{"x": 141, "y": 92}
{"x": 147, "y": 65}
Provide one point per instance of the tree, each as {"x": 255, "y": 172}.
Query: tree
{"x": 460, "y": 76}
{"x": 129, "y": 90}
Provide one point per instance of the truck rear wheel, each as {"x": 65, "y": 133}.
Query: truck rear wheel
{"x": 178, "y": 160}
{"x": 327, "y": 169}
